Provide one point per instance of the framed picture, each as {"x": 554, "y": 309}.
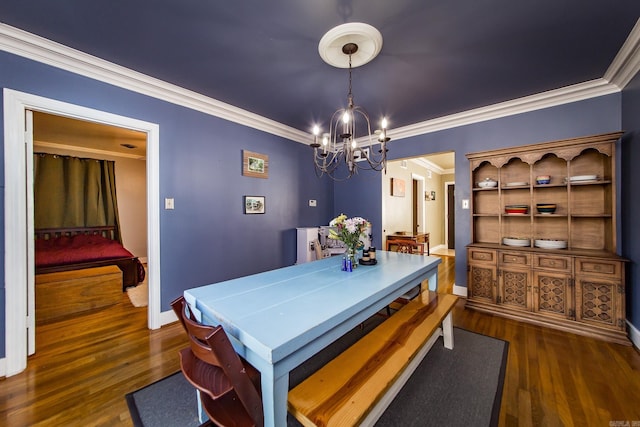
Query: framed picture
{"x": 253, "y": 205}
{"x": 433, "y": 195}
{"x": 397, "y": 187}
{"x": 255, "y": 165}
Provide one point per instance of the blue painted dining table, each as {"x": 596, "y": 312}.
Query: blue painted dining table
{"x": 280, "y": 318}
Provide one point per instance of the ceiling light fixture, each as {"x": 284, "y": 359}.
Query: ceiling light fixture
{"x": 339, "y": 153}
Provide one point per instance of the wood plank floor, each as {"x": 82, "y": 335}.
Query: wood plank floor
{"x": 84, "y": 367}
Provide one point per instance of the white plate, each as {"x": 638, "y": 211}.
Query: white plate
{"x": 515, "y": 242}
{"x": 516, "y": 184}
{"x": 550, "y": 244}
{"x": 583, "y": 178}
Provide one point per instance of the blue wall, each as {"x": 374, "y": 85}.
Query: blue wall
{"x": 206, "y": 238}
{"x": 630, "y": 195}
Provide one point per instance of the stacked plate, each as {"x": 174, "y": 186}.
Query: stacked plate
{"x": 516, "y": 209}
{"x": 516, "y": 184}
{"x": 515, "y": 241}
{"x": 550, "y": 244}
{"x": 580, "y": 178}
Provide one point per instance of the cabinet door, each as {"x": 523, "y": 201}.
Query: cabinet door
{"x": 482, "y": 283}
{"x": 600, "y": 302}
{"x": 515, "y": 288}
{"x": 552, "y": 294}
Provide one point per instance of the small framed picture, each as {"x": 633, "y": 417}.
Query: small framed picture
{"x": 253, "y": 205}
{"x": 255, "y": 165}
{"x": 397, "y": 187}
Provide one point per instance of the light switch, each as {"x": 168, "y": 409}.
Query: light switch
{"x": 168, "y": 203}
{"x": 465, "y": 204}
{"x": 312, "y": 203}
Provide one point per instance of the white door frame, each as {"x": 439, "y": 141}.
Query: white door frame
{"x": 18, "y": 231}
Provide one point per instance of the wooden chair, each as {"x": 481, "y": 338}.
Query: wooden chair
{"x": 229, "y": 386}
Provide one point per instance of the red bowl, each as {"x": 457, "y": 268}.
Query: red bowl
{"x": 516, "y": 210}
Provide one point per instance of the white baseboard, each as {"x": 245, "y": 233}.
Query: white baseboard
{"x": 3, "y": 367}
{"x": 461, "y": 291}
{"x": 634, "y": 335}
{"x": 437, "y": 248}
{"x": 167, "y": 317}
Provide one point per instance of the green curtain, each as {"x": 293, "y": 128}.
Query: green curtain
{"x": 74, "y": 192}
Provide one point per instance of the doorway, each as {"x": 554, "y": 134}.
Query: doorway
{"x": 428, "y": 207}
{"x": 19, "y": 258}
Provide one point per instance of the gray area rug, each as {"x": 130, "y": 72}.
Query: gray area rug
{"x": 459, "y": 387}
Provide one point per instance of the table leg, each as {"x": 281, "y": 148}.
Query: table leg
{"x": 447, "y": 332}
{"x": 274, "y": 399}
{"x": 433, "y": 280}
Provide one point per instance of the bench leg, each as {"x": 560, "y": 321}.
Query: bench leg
{"x": 447, "y": 332}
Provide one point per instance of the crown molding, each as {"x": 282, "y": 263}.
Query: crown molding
{"x": 578, "y": 92}
{"x": 31, "y": 46}
{"x": 427, "y": 164}
{"x": 624, "y": 67}
{"x": 626, "y": 64}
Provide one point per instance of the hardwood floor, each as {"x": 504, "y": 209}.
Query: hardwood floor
{"x": 83, "y": 368}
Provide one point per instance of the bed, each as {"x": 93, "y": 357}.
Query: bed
{"x": 68, "y": 249}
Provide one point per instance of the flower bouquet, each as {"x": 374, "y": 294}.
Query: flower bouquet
{"x": 349, "y": 231}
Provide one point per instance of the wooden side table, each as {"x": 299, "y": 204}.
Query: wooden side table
{"x": 418, "y": 238}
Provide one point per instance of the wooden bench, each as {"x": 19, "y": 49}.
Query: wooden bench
{"x": 357, "y": 386}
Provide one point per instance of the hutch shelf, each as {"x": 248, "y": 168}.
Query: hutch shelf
{"x": 556, "y": 267}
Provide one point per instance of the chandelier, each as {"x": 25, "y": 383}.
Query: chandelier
{"x": 340, "y": 153}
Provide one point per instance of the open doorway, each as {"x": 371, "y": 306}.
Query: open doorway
{"x": 61, "y": 145}
{"x": 427, "y": 205}
{"x": 18, "y": 250}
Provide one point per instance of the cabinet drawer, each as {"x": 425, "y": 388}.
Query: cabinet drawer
{"x": 603, "y": 267}
{"x": 552, "y": 262}
{"x": 515, "y": 258}
{"x": 482, "y": 255}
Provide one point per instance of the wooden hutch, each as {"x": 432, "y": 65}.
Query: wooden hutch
{"x": 579, "y": 288}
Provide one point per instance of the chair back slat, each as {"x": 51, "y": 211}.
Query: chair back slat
{"x": 211, "y": 345}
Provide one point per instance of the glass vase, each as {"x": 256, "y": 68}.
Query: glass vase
{"x": 351, "y": 256}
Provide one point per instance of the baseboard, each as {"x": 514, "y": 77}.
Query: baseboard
{"x": 634, "y": 335}
{"x": 461, "y": 291}
{"x": 437, "y": 248}
{"x": 167, "y": 317}
{"x": 3, "y": 367}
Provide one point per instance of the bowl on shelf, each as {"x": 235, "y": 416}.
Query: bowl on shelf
{"x": 516, "y": 209}
{"x": 543, "y": 179}
{"x": 546, "y": 208}
{"x": 488, "y": 183}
